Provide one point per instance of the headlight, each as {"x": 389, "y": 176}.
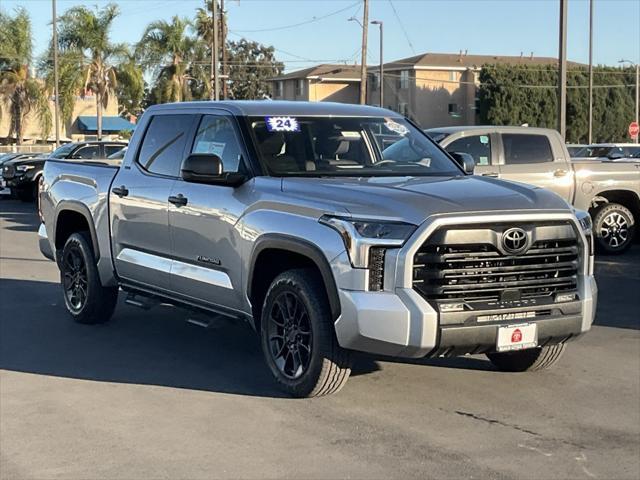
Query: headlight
{"x": 360, "y": 235}
{"x": 24, "y": 168}
{"x": 587, "y": 227}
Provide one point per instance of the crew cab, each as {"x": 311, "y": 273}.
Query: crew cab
{"x": 608, "y": 190}
{"x": 21, "y": 175}
{"x": 306, "y": 221}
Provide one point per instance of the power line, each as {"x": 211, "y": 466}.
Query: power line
{"x": 406, "y": 35}
{"x": 306, "y": 22}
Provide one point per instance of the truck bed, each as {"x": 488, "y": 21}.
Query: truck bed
{"x": 87, "y": 183}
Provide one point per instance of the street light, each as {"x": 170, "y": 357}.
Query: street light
{"x": 381, "y": 74}
{"x": 637, "y": 85}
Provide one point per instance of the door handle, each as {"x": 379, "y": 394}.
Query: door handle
{"x": 560, "y": 173}
{"x": 121, "y": 191}
{"x": 490, "y": 174}
{"x": 178, "y": 200}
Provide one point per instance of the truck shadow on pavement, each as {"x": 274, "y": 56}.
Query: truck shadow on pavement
{"x": 22, "y": 216}
{"x": 155, "y": 347}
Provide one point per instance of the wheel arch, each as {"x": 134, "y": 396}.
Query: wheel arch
{"x": 275, "y": 253}
{"x": 626, "y": 198}
{"x": 72, "y": 217}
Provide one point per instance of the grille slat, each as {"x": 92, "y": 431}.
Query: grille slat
{"x": 481, "y": 272}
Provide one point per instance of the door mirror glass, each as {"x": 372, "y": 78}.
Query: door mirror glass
{"x": 616, "y": 154}
{"x": 465, "y": 160}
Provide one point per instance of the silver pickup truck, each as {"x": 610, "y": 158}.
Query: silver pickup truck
{"x": 608, "y": 190}
{"x": 306, "y": 221}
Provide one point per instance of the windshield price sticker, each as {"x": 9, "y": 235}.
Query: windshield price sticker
{"x": 396, "y": 127}
{"x": 282, "y": 124}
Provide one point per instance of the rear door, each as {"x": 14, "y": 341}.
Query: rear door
{"x": 206, "y": 243}
{"x": 139, "y": 202}
{"x": 482, "y": 147}
{"x": 529, "y": 158}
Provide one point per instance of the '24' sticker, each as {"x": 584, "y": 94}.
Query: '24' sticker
{"x": 282, "y": 124}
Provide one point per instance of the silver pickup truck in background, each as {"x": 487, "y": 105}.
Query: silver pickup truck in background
{"x": 329, "y": 228}
{"x": 608, "y": 190}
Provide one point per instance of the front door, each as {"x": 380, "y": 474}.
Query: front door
{"x": 139, "y": 203}
{"x": 206, "y": 239}
{"x": 528, "y": 158}
{"x": 481, "y": 147}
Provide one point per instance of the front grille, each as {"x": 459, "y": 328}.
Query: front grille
{"x": 9, "y": 171}
{"x": 480, "y": 272}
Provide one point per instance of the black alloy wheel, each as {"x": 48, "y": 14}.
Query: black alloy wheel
{"x": 290, "y": 335}
{"x": 75, "y": 280}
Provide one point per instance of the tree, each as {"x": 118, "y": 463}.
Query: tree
{"x": 130, "y": 87}
{"x": 517, "y": 94}
{"x": 21, "y": 94}
{"x": 85, "y": 44}
{"x": 251, "y": 65}
{"x": 167, "y": 50}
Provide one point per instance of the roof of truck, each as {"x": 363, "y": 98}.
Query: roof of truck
{"x": 281, "y": 108}
{"x": 494, "y": 128}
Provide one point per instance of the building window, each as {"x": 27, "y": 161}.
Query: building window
{"x": 278, "y": 92}
{"x": 299, "y": 86}
{"x": 454, "y": 111}
{"x": 453, "y": 77}
{"x": 375, "y": 81}
{"x": 404, "y": 79}
{"x": 403, "y": 108}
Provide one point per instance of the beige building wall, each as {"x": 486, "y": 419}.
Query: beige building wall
{"x": 83, "y": 107}
{"x": 343, "y": 92}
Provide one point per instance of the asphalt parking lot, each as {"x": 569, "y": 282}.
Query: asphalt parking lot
{"x": 149, "y": 395}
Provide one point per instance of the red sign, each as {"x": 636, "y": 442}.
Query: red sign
{"x": 634, "y": 128}
{"x": 516, "y": 336}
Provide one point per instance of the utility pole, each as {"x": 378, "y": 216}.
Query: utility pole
{"x": 56, "y": 101}
{"x": 363, "y": 67}
{"x": 215, "y": 91}
{"x": 562, "y": 72}
{"x": 590, "y": 72}
{"x": 225, "y": 73}
{"x": 381, "y": 77}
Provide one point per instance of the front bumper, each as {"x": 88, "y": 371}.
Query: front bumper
{"x": 401, "y": 323}
{"x": 43, "y": 243}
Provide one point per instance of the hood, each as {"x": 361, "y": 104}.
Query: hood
{"x": 414, "y": 199}
{"x": 26, "y": 161}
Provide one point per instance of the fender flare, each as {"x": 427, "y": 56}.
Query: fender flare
{"x": 82, "y": 209}
{"x": 301, "y": 247}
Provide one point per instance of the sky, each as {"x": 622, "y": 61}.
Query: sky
{"x": 308, "y": 32}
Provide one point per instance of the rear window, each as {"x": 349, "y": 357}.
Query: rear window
{"x": 525, "y": 148}
{"x": 162, "y": 149}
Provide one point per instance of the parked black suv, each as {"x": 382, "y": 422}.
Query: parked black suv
{"x": 22, "y": 175}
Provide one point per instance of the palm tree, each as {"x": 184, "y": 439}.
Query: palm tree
{"x": 20, "y": 92}
{"x": 84, "y": 42}
{"x": 167, "y": 50}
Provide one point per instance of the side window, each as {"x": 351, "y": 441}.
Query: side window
{"x": 88, "y": 152}
{"x": 478, "y": 146}
{"x": 525, "y": 148}
{"x": 163, "y": 145}
{"x": 216, "y": 135}
{"x": 111, "y": 149}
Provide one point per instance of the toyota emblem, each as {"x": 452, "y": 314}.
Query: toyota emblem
{"x": 514, "y": 241}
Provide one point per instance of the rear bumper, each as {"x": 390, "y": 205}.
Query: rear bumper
{"x": 403, "y": 324}
{"x": 43, "y": 243}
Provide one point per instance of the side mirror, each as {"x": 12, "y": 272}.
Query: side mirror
{"x": 465, "y": 160}
{"x": 615, "y": 155}
{"x": 208, "y": 168}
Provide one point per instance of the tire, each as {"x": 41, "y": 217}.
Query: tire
{"x": 298, "y": 338}
{"x": 529, "y": 360}
{"x": 614, "y": 227}
{"x": 87, "y": 301}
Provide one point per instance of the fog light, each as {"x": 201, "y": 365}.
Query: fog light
{"x": 565, "y": 297}
{"x": 451, "y": 307}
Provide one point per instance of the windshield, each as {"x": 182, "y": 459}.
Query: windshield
{"x": 347, "y": 146}
{"x": 63, "y": 151}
